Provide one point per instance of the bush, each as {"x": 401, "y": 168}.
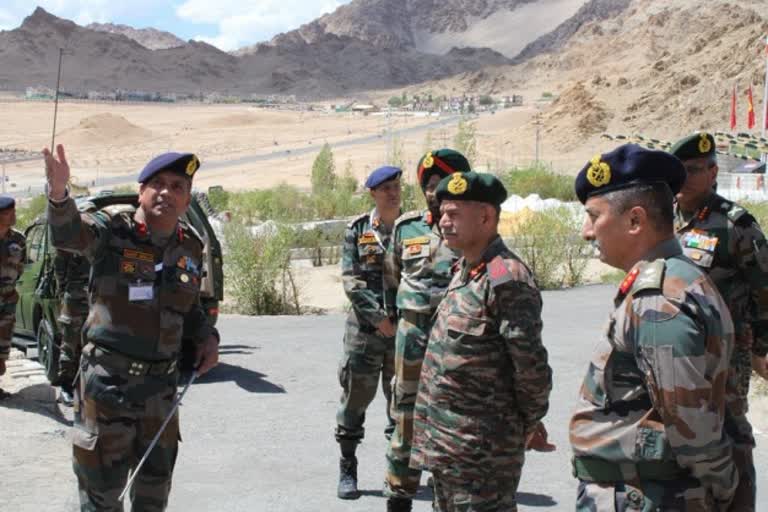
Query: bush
{"x": 258, "y": 272}
{"x": 541, "y": 181}
{"x": 27, "y": 212}
{"x": 550, "y": 244}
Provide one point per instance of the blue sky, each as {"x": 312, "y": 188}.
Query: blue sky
{"x": 228, "y": 24}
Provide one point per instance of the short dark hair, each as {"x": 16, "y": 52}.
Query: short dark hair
{"x": 655, "y": 198}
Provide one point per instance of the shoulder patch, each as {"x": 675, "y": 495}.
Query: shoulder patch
{"x": 739, "y": 216}
{"x": 649, "y": 277}
{"x": 501, "y": 270}
{"x": 357, "y": 219}
{"x": 408, "y": 216}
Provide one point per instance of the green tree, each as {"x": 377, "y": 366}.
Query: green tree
{"x": 348, "y": 183}
{"x": 465, "y": 140}
{"x": 323, "y": 171}
{"x": 395, "y": 102}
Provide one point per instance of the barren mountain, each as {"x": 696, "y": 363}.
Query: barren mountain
{"x": 653, "y": 67}
{"x": 436, "y": 26}
{"x": 150, "y": 38}
{"x": 329, "y": 65}
{"x": 102, "y": 61}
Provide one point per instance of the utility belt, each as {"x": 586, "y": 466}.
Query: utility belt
{"x": 415, "y": 317}
{"x": 122, "y": 363}
{"x": 592, "y": 469}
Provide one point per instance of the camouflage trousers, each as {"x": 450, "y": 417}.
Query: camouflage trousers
{"x": 116, "y": 417}
{"x": 368, "y": 359}
{"x": 682, "y": 495}
{"x": 71, "y": 322}
{"x": 410, "y": 346}
{"x": 457, "y": 491}
{"x": 7, "y": 322}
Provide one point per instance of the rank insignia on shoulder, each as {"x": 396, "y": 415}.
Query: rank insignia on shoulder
{"x": 127, "y": 267}
{"x": 367, "y": 238}
{"x": 419, "y": 240}
{"x": 629, "y": 280}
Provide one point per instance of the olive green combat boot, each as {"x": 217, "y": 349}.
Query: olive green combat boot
{"x": 399, "y": 505}
{"x": 348, "y": 478}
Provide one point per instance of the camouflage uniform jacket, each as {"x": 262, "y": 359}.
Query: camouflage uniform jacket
{"x": 12, "y": 258}
{"x": 485, "y": 367}
{"x": 72, "y": 272}
{"x": 656, "y": 388}
{"x": 418, "y": 266}
{"x": 726, "y": 241}
{"x": 362, "y": 261}
{"x": 143, "y": 296}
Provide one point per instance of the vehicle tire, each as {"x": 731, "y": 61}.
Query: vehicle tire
{"x": 48, "y": 350}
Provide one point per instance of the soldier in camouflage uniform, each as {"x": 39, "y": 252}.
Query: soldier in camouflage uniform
{"x": 648, "y": 432}
{"x": 485, "y": 381}
{"x": 71, "y": 271}
{"x": 726, "y": 242}
{"x": 417, "y": 272}
{"x": 12, "y": 258}
{"x": 144, "y": 295}
{"x": 369, "y": 336}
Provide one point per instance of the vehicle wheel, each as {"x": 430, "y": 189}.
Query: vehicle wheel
{"x": 48, "y": 351}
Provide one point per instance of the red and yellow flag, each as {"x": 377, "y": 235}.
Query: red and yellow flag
{"x": 733, "y": 109}
{"x": 750, "y": 109}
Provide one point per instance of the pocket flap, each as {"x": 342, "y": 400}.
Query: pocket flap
{"x": 84, "y": 439}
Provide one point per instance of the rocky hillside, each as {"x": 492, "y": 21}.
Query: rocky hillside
{"x": 328, "y": 65}
{"x": 437, "y": 26}
{"x": 150, "y": 38}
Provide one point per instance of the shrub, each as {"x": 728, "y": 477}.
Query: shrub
{"x": 550, "y": 244}
{"x": 27, "y": 212}
{"x": 258, "y": 272}
{"x": 541, "y": 181}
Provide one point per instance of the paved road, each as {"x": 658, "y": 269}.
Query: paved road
{"x": 258, "y": 431}
{"x": 27, "y": 188}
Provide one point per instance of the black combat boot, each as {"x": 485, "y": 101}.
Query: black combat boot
{"x": 348, "y": 478}
{"x": 66, "y": 393}
{"x": 399, "y": 505}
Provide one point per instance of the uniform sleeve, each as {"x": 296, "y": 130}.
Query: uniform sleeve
{"x": 83, "y": 233}
{"x": 363, "y": 299}
{"x": 518, "y": 305}
{"x": 196, "y": 326}
{"x": 687, "y": 383}
{"x": 392, "y": 269}
{"x": 753, "y": 263}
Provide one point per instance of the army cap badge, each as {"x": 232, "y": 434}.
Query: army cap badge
{"x": 442, "y": 162}
{"x": 697, "y": 145}
{"x": 184, "y": 164}
{"x": 627, "y": 166}
{"x": 472, "y": 186}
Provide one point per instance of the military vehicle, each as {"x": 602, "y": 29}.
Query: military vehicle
{"x": 37, "y": 333}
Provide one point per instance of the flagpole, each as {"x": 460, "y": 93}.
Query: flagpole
{"x": 765, "y": 99}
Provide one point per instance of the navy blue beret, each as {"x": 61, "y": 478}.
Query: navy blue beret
{"x": 7, "y": 202}
{"x": 185, "y": 164}
{"x": 627, "y": 166}
{"x": 381, "y": 175}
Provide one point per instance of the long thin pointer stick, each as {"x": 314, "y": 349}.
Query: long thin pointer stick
{"x": 176, "y": 405}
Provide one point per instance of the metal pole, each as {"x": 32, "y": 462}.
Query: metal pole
{"x": 56, "y": 100}
{"x": 765, "y": 97}
{"x": 170, "y": 415}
